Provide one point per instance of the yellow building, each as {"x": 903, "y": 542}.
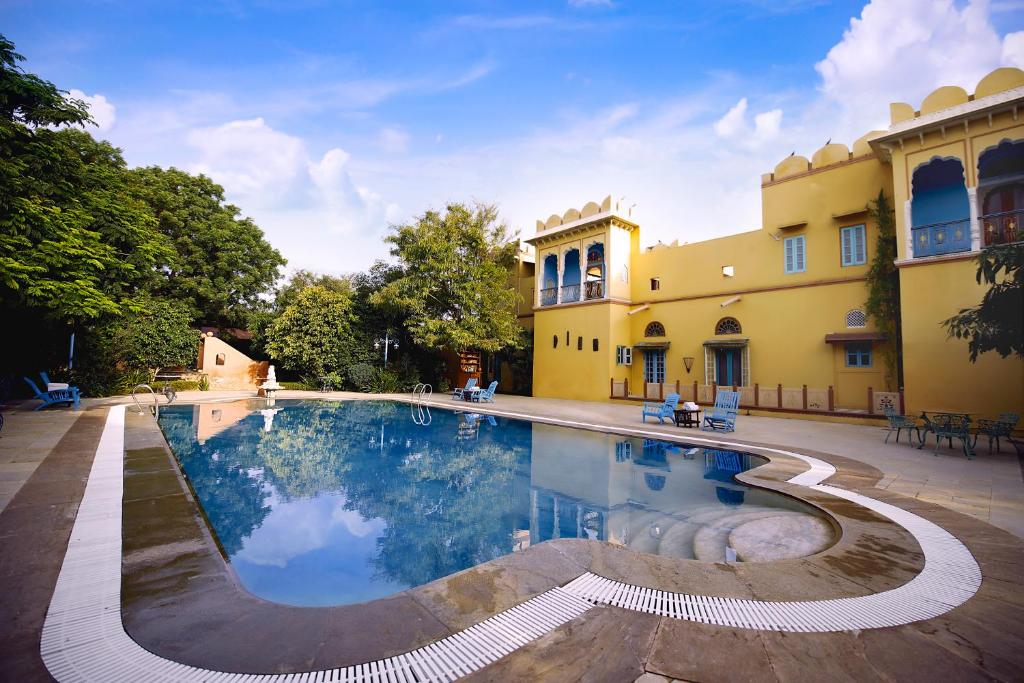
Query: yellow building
{"x": 779, "y": 312}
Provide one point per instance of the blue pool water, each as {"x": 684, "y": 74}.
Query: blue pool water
{"x": 328, "y": 503}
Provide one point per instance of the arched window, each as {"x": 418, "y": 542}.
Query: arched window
{"x": 939, "y": 208}
{"x": 856, "y": 318}
{"x": 728, "y": 326}
{"x": 655, "y": 330}
{"x": 1001, "y": 191}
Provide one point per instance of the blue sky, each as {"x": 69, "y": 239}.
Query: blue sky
{"x": 326, "y": 121}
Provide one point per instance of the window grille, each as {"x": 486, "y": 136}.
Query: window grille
{"x": 728, "y": 326}
{"x": 655, "y": 329}
{"x": 856, "y": 318}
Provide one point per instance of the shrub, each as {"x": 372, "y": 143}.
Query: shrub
{"x": 361, "y": 375}
{"x": 385, "y": 382}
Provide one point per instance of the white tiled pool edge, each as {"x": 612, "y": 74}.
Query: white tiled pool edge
{"x": 84, "y": 639}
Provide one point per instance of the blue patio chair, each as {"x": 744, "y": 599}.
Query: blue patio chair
{"x": 460, "y": 392}
{"x": 661, "y": 410}
{"x": 49, "y": 398}
{"x": 47, "y": 382}
{"x": 723, "y": 414}
{"x": 1002, "y": 427}
{"x": 485, "y": 395}
{"x": 898, "y": 423}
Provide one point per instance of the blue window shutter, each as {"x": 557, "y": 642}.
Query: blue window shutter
{"x": 847, "y": 246}
{"x": 801, "y": 263}
{"x": 789, "y": 254}
{"x": 860, "y": 251}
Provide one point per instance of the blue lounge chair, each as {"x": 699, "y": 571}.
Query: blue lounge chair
{"x": 487, "y": 394}
{"x": 460, "y": 392}
{"x": 723, "y": 414}
{"x": 661, "y": 410}
{"x": 49, "y": 398}
{"x": 47, "y": 382}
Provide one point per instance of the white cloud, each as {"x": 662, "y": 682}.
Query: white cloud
{"x": 900, "y": 50}
{"x": 1013, "y": 49}
{"x": 734, "y": 124}
{"x": 394, "y": 140}
{"x": 734, "y": 121}
{"x": 101, "y": 110}
{"x": 252, "y": 160}
{"x": 767, "y": 124}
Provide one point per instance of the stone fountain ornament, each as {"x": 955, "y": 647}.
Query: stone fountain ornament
{"x": 271, "y": 386}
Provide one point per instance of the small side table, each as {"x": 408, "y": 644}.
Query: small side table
{"x": 687, "y": 418}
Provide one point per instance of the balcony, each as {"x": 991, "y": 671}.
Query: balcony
{"x": 942, "y": 238}
{"x": 594, "y": 290}
{"x": 1001, "y": 228}
{"x": 549, "y": 296}
{"x": 570, "y": 293}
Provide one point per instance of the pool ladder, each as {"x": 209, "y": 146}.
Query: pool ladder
{"x": 168, "y": 393}
{"x": 420, "y": 411}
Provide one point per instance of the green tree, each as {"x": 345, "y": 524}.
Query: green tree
{"x": 75, "y": 244}
{"x": 997, "y": 323}
{"x": 883, "y": 303}
{"x": 453, "y": 287}
{"x": 221, "y": 263}
{"x": 313, "y": 335}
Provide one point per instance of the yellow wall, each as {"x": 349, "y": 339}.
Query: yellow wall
{"x": 936, "y": 369}
{"x": 566, "y": 371}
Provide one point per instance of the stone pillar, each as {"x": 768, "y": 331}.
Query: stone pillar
{"x": 561, "y": 272}
{"x": 583, "y": 275}
{"x": 908, "y": 224}
{"x": 972, "y": 202}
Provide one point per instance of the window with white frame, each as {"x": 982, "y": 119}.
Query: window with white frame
{"x": 623, "y": 355}
{"x": 858, "y": 354}
{"x": 853, "y": 249}
{"x": 796, "y": 256}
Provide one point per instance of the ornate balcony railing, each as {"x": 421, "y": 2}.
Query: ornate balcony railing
{"x": 549, "y": 296}
{"x": 942, "y": 238}
{"x": 570, "y": 293}
{"x": 1001, "y": 228}
{"x": 595, "y": 290}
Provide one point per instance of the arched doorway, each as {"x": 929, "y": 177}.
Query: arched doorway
{"x": 1001, "y": 192}
{"x": 595, "y": 271}
{"x": 571, "y": 276}
{"x": 940, "y": 210}
{"x": 549, "y": 285}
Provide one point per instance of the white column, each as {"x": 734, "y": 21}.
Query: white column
{"x": 561, "y": 270}
{"x": 972, "y": 200}
{"x": 908, "y": 224}
{"x": 583, "y": 272}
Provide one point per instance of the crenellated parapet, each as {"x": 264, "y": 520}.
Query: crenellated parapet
{"x": 901, "y": 114}
{"x": 574, "y": 215}
{"x": 947, "y": 96}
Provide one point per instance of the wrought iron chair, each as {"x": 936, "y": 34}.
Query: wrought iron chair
{"x": 949, "y": 426}
{"x": 898, "y": 423}
{"x": 1002, "y": 427}
{"x": 661, "y": 410}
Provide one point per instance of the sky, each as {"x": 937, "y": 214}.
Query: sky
{"x": 329, "y": 121}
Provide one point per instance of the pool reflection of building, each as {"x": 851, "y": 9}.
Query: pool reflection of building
{"x": 649, "y": 495}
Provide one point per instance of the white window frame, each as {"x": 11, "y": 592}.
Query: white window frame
{"x": 623, "y": 355}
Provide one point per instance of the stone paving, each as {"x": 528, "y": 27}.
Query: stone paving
{"x": 981, "y": 640}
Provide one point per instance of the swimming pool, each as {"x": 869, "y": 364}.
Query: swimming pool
{"x": 329, "y": 503}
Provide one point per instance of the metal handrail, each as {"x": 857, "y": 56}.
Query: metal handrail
{"x": 156, "y": 405}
